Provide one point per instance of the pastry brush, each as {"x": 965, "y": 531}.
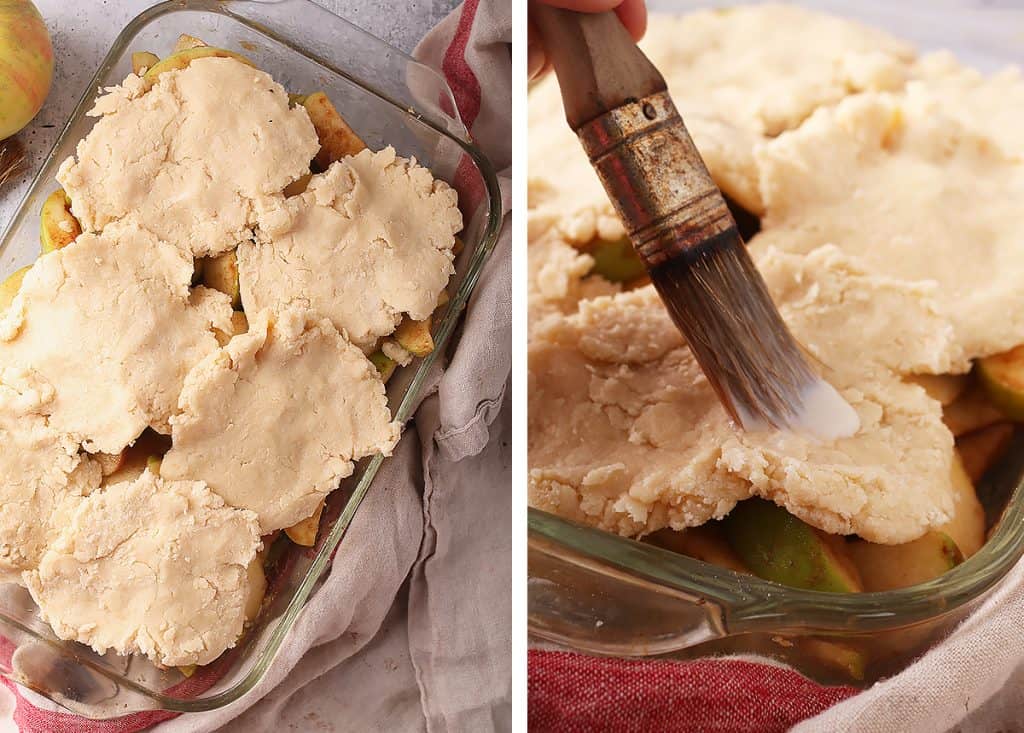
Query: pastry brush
{"x": 678, "y": 222}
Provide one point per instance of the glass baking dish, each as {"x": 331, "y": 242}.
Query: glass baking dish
{"x": 389, "y": 99}
{"x": 605, "y": 594}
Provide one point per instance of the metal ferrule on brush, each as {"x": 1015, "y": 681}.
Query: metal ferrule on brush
{"x": 681, "y": 227}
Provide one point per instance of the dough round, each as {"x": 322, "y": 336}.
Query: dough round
{"x": 109, "y": 322}
{"x": 44, "y": 476}
{"x": 369, "y": 240}
{"x": 558, "y": 277}
{"x": 988, "y": 105}
{"x": 626, "y": 434}
{"x": 150, "y": 566}
{"x": 739, "y": 76}
{"x": 290, "y": 370}
{"x": 188, "y": 158}
{"x": 886, "y": 178}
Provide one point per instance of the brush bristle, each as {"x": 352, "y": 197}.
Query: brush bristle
{"x": 12, "y": 160}
{"x": 719, "y": 301}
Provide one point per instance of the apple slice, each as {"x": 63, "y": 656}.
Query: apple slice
{"x": 186, "y": 42}
{"x": 777, "y": 546}
{"x": 183, "y": 58}
{"x": 239, "y": 325}
{"x": 142, "y": 61}
{"x": 298, "y": 185}
{"x": 257, "y": 589}
{"x": 414, "y": 336}
{"x": 304, "y": 533}
{"x": 967, "y": 527}
{"x": 58, "y": 227}
{"x": 10, "y": 287}
{"x": 888, "y": 567}
{"x": 385, "y": 365}
{"x": 971, "y": 411}
{"x": 221, "y": 273}
{"x": 109, "y": 462}
{"x": 616, "y": 260}
{"x": 137, "y": 457}
{"x": 1002, "y": 376}
{"x": 944, "y": 388}
{"x": 337, "y": 139}
{"x": 979, "y": 449}
{"x": 705, "y": 543}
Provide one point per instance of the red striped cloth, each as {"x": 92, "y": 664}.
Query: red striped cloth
{"x": 31, "y": 719}
{"x": 576, "y": 693}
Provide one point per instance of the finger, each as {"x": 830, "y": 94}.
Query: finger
{"x": 584, "y": 6}
{"x": 633, "y": 14}
{"x": 536, "y": 59}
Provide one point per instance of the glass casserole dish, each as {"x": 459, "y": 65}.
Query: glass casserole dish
{"x": 604, "y": 594}
{"x": 388, "y": 99}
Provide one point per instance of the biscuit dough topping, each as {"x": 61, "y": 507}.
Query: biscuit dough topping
{"x": 291, "y": 370}
{"x": 152, "y": 566}
{"x": 739, "y": 76}
{"x": 888, "y": 191}
{"x": 109, "y": 322}
{"x": 44, "y": 476}
{"x": 369, "y": 240}
{"x": 626, "y": 433}
{"x": 189, "y": 158}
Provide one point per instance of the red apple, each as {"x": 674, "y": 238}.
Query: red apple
{"x": 26, "y": 64}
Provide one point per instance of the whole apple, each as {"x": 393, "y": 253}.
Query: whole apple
{"x": 26, "y": 64}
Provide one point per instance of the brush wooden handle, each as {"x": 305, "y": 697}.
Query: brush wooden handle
{"x": 618, "y": 104}
{"x": 598, "y": 65}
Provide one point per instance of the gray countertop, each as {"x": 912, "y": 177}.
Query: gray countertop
{"x": 83, "y": 32}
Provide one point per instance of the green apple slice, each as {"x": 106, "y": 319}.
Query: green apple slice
{"x": 888, "y": 567}
{"x": 777, "y": 546}
{"x": 1002, "y": 376}
{"x": 385, "y": 365}
{"x": 58, "y": 227}
{"x": 181, "y": 59}
{"x": 10, "y": 287}
{"x": 616, "y": 260}
{"x": 142, "y": 61}
{"x": 221, "y": 273}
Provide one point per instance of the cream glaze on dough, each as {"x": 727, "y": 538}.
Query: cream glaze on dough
{"x": 907, "y": 191}
{"x": 109, "y": 322}
{"x": 369, "y": 240}
{"x": 294, "y": 370}
{"x": 189, "y": 158}
{"x": 739, "y": 77}
{"x": 626, "y": 434}
{"x": 44, "y": 475}
{"x": 150, "y": 566}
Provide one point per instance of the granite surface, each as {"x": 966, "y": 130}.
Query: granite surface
{"x": 83, "y": 31}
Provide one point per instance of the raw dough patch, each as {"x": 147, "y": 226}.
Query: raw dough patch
{"x": 626, "y": 434}
{"x": 44, "y": 476}
{"x": 988, "y": 105}
{"x": 151, "y": 566}
{"x": 558, "y": 277}
{"x": 273, "y": 420}
{"x": 110, "y": 323}
{"x": 369, "y": 240}
{"x": 188, "y": 159}
{"x": 894, "y": 182}
{"x": 738, "y": 76}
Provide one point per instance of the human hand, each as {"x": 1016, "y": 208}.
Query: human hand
{"x": 632, "y": 13}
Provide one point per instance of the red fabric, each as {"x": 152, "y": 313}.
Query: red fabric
{"x": 571, "y": 693}
{"x": 29, "y": 718}
{"x": 466, "y": 90}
